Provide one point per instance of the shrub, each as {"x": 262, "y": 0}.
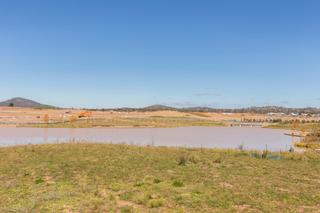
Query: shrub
{"x": 182, "y": 160}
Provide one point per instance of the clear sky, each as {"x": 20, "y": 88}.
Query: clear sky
{"x": 219, "y": 53}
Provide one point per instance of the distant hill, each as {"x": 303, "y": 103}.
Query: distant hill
{"x": 22, "y": 102}
{"x": 158, "y": 107}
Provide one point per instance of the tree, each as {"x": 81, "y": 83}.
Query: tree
{"x": 11, "y": 105}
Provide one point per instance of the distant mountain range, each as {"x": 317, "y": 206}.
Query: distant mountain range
{"x": 22, "y": 102}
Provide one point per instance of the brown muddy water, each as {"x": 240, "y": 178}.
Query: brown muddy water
{"x": 207, "y": 137}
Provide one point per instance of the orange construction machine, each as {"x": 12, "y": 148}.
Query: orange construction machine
{"x": 85, "y": 114}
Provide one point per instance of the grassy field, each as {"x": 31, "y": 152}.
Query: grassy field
{"x": 305, "y": 127}
{"x": 156, "y": 121}
{"x": 120, "y": 178}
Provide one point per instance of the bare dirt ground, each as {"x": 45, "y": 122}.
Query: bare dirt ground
{"x": 13, "y": 116}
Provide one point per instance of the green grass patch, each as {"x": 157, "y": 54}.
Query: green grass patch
{"x": 121, "y": 178}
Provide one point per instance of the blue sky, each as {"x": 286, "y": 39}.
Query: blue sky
{"x": 219, "y": 53}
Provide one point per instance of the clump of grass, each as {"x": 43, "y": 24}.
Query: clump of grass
{"x": 255, "y": 155}
{"x": 217, "y": 160}
{"x": 300, "y": 145}
{"x": 138, "y": 184}
{"x": 182, "y": 160}
{"x": 126, "y": 195}
{"x": 194, "y": 159}
{"x": 178, "y": 183}
{"x": 157, "y": 180}
{"x": 39, "y": 180}
{"x": 155, "y": 203}
{"x": 116, "y": 187}
{"x": 126, "y": 209}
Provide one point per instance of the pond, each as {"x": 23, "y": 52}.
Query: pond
{"x": 208, "y": 137}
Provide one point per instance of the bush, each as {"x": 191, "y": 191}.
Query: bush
{"x": 182, "y": 160}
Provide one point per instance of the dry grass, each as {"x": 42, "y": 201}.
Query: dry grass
{"x": 155, "y": 121}
{"x": 122, "y": 178}
{"x": 11, "y": 116}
